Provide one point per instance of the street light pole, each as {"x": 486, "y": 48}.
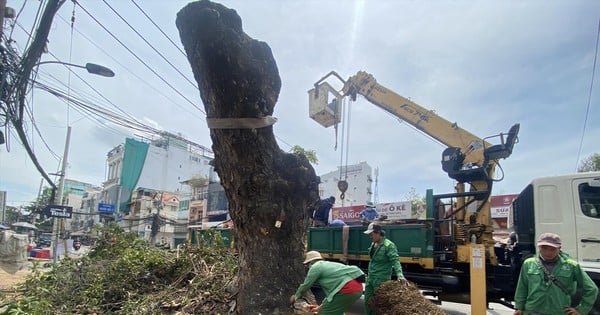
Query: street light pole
{"x": 90, "y": 67}
{"x": 59, "y": 197}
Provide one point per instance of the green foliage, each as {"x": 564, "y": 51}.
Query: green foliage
{"x": 125, "y": 275}
{"x": 311, "y": 155}
{"x": 11, "y": 215}
{"x": 36, "y": 206}
{"x": 590, "y": 164}
{"x": 415, "y": 199}
{"x": 40, "y": 202}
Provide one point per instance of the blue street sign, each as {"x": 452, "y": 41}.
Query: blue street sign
{"x": 106, "y": 208}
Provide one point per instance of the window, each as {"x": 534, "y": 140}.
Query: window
{"x": 589, "y": 198}
{"x": 184, "y": 205}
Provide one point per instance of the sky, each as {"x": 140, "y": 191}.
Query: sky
{"x": 483, "y": 64}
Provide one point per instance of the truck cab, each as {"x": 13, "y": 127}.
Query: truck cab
{"x": 568, "y": 205}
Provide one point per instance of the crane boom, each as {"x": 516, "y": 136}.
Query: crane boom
{"x": 444, "y": 131}
{"x": 467, "y": 159}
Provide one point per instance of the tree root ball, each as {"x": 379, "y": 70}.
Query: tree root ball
{"x": 394, "y": 298}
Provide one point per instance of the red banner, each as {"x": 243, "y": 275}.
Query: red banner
{"x": 501, "y": 205}
{"x": 347, "y": 214}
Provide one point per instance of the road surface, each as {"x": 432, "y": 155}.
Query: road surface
{"x": 447, "y": 307}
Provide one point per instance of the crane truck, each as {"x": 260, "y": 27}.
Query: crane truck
{"x": 435, "y": 252}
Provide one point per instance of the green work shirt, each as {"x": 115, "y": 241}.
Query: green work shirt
{"x": 331, "y": 276}
{"x": 383, "y": 259}
{"x": 536, "y": 294}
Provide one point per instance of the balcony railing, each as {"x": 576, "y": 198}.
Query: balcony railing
{"x": 180, "y": 229}
{"x": 110, "y": 182}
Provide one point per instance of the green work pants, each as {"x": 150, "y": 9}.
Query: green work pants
{"x": 371, "y": 285}
{"x": 339, "y": 304}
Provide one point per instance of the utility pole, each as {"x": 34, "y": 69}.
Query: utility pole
{"x": 59, "y": 198}
{"x": 38, "y": 198}
{"x": 2, "y": 9}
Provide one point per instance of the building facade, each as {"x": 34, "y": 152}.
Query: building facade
{"x": 208, "y": 204}
{"x": 85, "y": 216}
{"x": 73, "y": 196}
{"x": 145, "y": 183}
{"x": 160, "y": 164}
{"x": 360, "y": 185}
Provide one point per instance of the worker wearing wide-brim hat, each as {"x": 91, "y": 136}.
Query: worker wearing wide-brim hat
{"x": 338, "y": 281}
{"x": 384, "y": 258}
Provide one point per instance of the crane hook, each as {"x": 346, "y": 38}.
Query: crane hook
{"x": 342, "y": 186}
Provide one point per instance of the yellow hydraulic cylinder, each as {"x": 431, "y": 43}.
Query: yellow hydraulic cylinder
{"x": 478, "y": 288}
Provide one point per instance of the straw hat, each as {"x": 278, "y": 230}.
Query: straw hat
{"x": 312, "y": 255}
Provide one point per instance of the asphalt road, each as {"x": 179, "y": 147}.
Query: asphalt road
{"x": 447, "y": 307}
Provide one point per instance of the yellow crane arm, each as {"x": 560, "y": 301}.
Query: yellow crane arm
{"x": 444, "y": 131}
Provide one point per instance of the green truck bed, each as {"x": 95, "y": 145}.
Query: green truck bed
{"x": 414, "y": 242}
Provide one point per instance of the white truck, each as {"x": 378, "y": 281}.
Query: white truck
{"x": 568, "y": 205}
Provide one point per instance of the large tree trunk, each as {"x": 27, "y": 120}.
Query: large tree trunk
{"x": 238, "y": 78}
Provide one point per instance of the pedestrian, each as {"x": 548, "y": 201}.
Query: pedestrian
{"x": 338, "y": 281}
{"x": 321, "y": 215}
{"x": 369, "y": 213}
{"x": 384, "y": 257}
{"x": 549, "y": 279}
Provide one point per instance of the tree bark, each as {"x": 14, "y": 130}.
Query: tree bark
{"x": 238, "y": 78}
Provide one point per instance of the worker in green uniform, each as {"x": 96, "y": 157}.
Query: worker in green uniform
{"x": 548, "y": 281}
{"x": 384, "y": 256}
{"x": 338, "y": 281}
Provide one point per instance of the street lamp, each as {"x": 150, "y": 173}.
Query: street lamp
{"x": 90, "y": 67}
{"x": 93, "y": 69}
{"x": 19, "y": 90}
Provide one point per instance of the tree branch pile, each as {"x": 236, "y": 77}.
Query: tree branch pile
{"x": 394, "y": 298}
{"x": 125, "y": 275}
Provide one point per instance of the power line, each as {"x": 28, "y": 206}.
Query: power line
{"x": 140, "y": 60}
{"x": 16, "y": 18}
{"x": 160, "y": 29}
{"x": 83, "y": 111}
{"x": 99, "y": 47}
{"x": 35, "y": 22}
{"x": 35, "y": 127}
{"x": 100, "y": 123}
{"x": 93, "y": 89}
{"x": 21, "y": 79}
{"x": 91, "y": 117}
{"x": 99, "y": 110}
{"x": 151, "y": 46}
{"x": 587, "y": 110}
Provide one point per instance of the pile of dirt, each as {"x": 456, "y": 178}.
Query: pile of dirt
{"x": 396, "y": 298}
